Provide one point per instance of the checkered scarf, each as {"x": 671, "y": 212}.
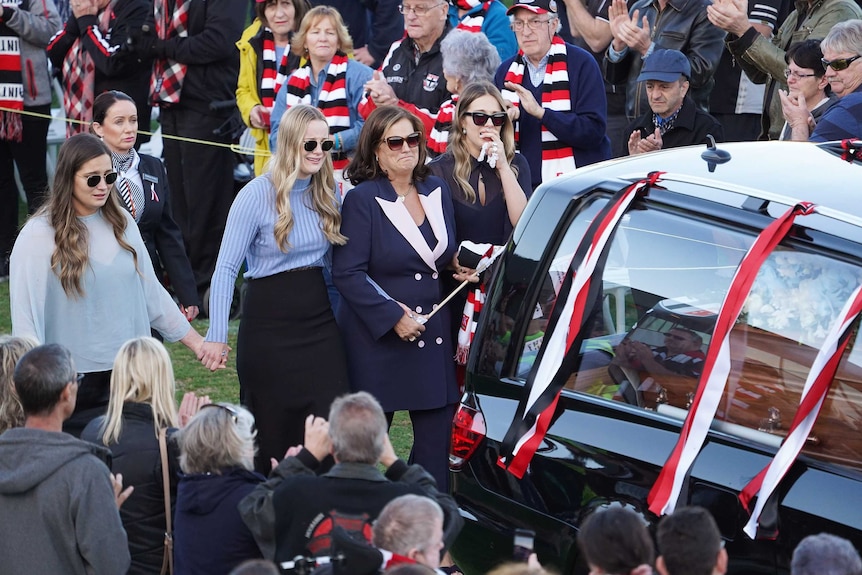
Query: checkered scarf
{"x": 12, "y": 97}
{"x": 472, "y": 22}
{"x": 332, "y": 100}
{"x": 272, "y": 76}
{"x": 557, "y": 157}
{"x": 79, "y": 79}
{"x": 168, "y": 75}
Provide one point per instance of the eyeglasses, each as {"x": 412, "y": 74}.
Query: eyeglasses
{"x": 417, "y": 10}
{"x": 79, "y": 377}
{"x": 395, "y": 143}
{"x": 94, "y": 180}
{"x": 481, "y": 118}
{"x": 839, "y": 63}
{"x": 788, "y": 73}
{"x": 234, "y": 414}
{"x": 311, "y": 145}
{"x": 518, "y": 25}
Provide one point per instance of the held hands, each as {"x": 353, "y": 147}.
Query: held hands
{"x": 729, "y": 15}
{"x": 213, "y": 355}
{"x": 410, "y": 326}
{"x": 639, "y": 145}
{"x": 528, "y": 102}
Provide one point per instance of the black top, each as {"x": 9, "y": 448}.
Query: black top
{"x": 690, "y": 127}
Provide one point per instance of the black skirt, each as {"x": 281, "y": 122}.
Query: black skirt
{"x": 290, "y": 358}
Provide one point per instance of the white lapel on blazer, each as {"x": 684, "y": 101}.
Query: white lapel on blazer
{"x": 396, "y": 212}
{"x": 433, "y": 206}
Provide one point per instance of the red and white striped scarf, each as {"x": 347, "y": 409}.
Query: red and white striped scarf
{"x": 332, "y": 100}
{"x": 665, "y": 492}
{"x": 11, "y": 128}
{"x": 814, "y": 392}
{"x": 272, "y": 76}
{"x": 439, "y": 137}
{"x": 475, "y": 297}
{"x": 79, "y": 78}
{"x": 557, "y": 157}
{"x": 579, "y": 294}
{"x": 166, "y": 83}
{"x": 472, "y": 22}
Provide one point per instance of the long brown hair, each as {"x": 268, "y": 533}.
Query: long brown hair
{"x": 364, "y": 165}
{"x": 458, "y": 140}
{"x": 284, "y": 170}
{"x": 71, "y": 253}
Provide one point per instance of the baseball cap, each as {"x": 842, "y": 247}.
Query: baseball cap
{"x": 535, "y": 6}
{"x": 665, "y": 66}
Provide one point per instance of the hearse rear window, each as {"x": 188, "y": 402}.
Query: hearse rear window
{"x": 665, "y": 279}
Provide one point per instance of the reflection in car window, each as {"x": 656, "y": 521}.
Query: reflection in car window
{"x": 665, "y": 279}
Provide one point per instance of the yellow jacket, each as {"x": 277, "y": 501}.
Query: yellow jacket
{"x": 248, "y": 96}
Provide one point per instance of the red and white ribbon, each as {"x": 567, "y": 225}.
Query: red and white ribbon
{"x": 664, "y": 494}
{"x": 534, "y": 413}
{"x": 813, "y": 394}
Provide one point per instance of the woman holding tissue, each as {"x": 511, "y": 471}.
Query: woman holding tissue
{"x": 400, "y": 227}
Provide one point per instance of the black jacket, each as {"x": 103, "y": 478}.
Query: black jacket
{"x": 682, "y": 26}
{"x": 690, "y": 127}
{"x": 421, "y": 84}
{"x": 116, "y": 68}
{"x": 162, "y": 234}
{"x": 136, "y": 455}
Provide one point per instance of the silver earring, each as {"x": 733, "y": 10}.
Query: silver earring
{"x": 463, "y": 130}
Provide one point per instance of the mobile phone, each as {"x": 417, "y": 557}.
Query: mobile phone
{"x": 522, "y": 544}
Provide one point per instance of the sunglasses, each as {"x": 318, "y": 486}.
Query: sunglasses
{"x": 94, "y": 180}
{"x": 311, "y": 145}
{"x": 395, "y": 143}
{"x": 481, "y": 118}
{"x": 839, "y": 63}
{"x": 234, "y": 414}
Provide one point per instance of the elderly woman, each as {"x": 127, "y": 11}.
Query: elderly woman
{"x": 217, "y": 462}
{"x": 90, "y": 53}
{"x": 467, "y": 57}
{"x": 328, "y": 80}
{"x": 402, "y": 236}
{"x": 808, "y": 93}
{"x": 11, "y": 350}
{"x": 265, "y": 62}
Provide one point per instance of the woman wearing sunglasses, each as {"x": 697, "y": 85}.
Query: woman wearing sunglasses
{"x": 401, "y": 232}
{"x": 290, "y": 358}
{"x": 82, "y": 277}
{"x": 142, "y": 185}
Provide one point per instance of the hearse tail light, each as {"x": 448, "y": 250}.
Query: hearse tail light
{"x": 468, "y": 430}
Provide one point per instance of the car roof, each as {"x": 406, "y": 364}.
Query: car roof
{"x": 786, "y": 172}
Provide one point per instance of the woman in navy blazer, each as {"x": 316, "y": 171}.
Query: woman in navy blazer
{"x": 399, "y": 222}
{"x": 115, "y": 121}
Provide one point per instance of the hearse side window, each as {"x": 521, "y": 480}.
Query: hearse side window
{"x": 666, "y": 276}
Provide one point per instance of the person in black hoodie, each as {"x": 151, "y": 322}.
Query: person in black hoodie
{"x": 217, "y": 462}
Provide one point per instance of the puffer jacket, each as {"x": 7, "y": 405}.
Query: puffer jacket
{"x": 682, "y": 26}
{"x": 35, "y": 25}
{"x": 762, "y": 59}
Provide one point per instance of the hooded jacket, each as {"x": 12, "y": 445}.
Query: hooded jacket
{"x": 209, "y": 536}
{"x": 58, "y": 507}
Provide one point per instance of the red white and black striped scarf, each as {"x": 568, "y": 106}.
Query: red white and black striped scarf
{"x": 439, "y": 137}
{"x": 332, "y": 100}
{"x": 166, "y": 83}
{"x": 272, "y": 75}
{"x": 12, "y": 95}
{"x": 557, "y": 157}
{"x": 79, "y": 78}
{"x": 473, "y": 22}
{"x": 484, "y": 255}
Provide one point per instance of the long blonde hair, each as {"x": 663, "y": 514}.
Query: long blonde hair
{"x": 71, "y": 250}
{"x": 142, "y": 374}
{"x": 458, "y": 140}
{"x": 11, "y": 350}
{"x": 284, "y": 170}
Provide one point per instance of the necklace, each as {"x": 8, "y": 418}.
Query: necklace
{"x": 401, "y": 197}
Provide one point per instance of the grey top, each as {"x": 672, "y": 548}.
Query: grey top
{"x": 119, "y": 301}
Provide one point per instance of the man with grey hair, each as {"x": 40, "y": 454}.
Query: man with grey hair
{"x": 842, "y": 58}
{"x": 295, "y": 511}
{"x": 825, "y": 554}
{"x": 412, "y": 526}
{"x": 58, "y": 500}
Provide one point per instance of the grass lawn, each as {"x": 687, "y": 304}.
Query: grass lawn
{"x": 221, "y": 385}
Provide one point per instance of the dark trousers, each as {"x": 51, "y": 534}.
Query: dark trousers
{"x": 432, "y": 436}
{"x": 29, "y": 156}
{"x": 201, "y": 181}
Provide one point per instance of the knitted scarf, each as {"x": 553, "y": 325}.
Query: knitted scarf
{"x": 79, "y": 76}
{"x": 472, "y": 22}
{"x": 332, "y": 100}
{"x": 11, "y": 80}
{"x": 272, "y": 76}
{"x": 557, "y": 157}
{"x": 439, "y": 138}
{"x": 480, "y": 257}
{"x": 166, "y": 82}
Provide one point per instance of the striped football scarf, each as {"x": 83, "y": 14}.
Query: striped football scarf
{"x": 473, "y": 22}
{"x": 333, "y": 95}
{"x": 272, "y": 76}
{"x": 557, "y": 157}
{"x": 439, "y": 137}
{"x": 12, "y": 93}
